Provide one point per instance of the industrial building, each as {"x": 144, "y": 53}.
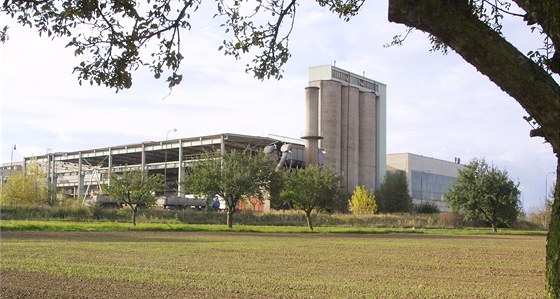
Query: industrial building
{"x": 346, "y": 117}
{"x": 428, "y": 178}
{"x": 344, "y": 129}
{"x": 83, "y": 173}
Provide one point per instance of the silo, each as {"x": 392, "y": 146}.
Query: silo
{"x": 330, "y": 121}
{"x": 350, "y": 124}
{"x": 367, "y": 139}
{"x": 354, "y": 138}
{"x": 344, "y": 109}
{"x": 349, "y": 162}
{"x": 312, "y": 125}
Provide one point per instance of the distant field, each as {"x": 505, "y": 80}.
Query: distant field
{"x": 142, "y": 264}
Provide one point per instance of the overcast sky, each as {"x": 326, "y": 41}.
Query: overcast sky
{"x": 437, "y": 105}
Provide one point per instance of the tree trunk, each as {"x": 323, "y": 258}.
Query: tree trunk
{"x": 553, "y": 243}
{"x": 134, "y": 209}
{"x": 453, "y": 23}
{"x": 230, "y": 212}
{"x": 308, "y": 217}
{"x": 494, "y": 227}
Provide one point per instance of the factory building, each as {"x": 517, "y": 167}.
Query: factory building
{"x": 84, "y": 173}
{"x": 344, "y": 129}
{"x": 428, "y": 178}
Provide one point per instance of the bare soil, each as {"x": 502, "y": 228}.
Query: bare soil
{"x": 262, "y": 265}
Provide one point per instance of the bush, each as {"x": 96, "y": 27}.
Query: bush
{"x": 427, "y": 208}
{"x": 362, "y": 201}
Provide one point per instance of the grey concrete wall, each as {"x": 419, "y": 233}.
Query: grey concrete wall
{"x": 367, "y": 140}
{"x": 349, "y": 159}
{"x": 330, "y": 122}
{"x": 312, "y": 125}
{"x": 344, "y": 111}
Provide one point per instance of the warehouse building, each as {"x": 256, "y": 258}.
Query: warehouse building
{"x": 428, "y": 178}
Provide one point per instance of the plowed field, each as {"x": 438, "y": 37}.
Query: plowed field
{"x": 262, "y": 265}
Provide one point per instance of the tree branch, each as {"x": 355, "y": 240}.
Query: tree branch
{"x": 546, "y": 13}
{"x": 454, "y": 24}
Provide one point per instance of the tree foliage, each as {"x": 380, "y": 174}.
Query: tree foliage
{"x": 473, "y": 28}
{"x": 362, "y": 201}
{"x": 310, "y": 189}
{"x": 26, "y": 188}
{"x": 233, "y": 176}
{"x": 135, "y": 188}
{"x": 393, "y": 195}
{"x": 483, "y": 192}
{"x": 115, "y": 38}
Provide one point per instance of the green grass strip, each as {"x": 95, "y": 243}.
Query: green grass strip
{"x": 46, "y": 226}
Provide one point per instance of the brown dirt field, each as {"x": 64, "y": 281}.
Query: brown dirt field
{"x": 259, "y": 265}
{"x": 19, "y": 284}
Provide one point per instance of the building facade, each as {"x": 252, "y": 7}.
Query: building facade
{"x": 8, "y": 169}
{"x": 428, "y": 178}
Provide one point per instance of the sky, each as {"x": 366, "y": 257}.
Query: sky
{"x": 437, "y": 105}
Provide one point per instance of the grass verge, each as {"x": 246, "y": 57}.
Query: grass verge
{"x": 172, "y": 227}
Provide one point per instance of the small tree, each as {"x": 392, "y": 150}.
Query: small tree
{"x": 26, "y": 188}
{"x": 541, "y": 214}
{"x": 311, "y": 189}
{"x": 393, "y": 195}
{"x": 484, "y": 192}
{"x": 362, "y": 201}
{"x": 135, "y": 188}
{"x": 235, "y": 176}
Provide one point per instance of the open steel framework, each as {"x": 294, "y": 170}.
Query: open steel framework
{"x": 83, "y": 173}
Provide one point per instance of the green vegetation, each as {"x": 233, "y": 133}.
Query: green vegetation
{"x": 484, "y": 192}
{"x": 311, "y": 189}
{"x": 393, "y": 196}
{"x": 273, "y": 218}
{"x": 29, "y": 188}
{"x": 193, "y": 264}
{"x": 362, "y": 201}
{"x": 233, "y": 176}
{"x": 135, "y": 188}
{"x": 61, "y": 226}
{"x": 427, "y": 208}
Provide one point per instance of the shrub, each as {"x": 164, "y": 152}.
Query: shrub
{"x": 427, "y": 208}
{"x": 362, "y": 201}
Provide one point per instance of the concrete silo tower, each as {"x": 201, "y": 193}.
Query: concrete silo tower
{"x": 350, "y": 116}
{"x": 312, "y": 135}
